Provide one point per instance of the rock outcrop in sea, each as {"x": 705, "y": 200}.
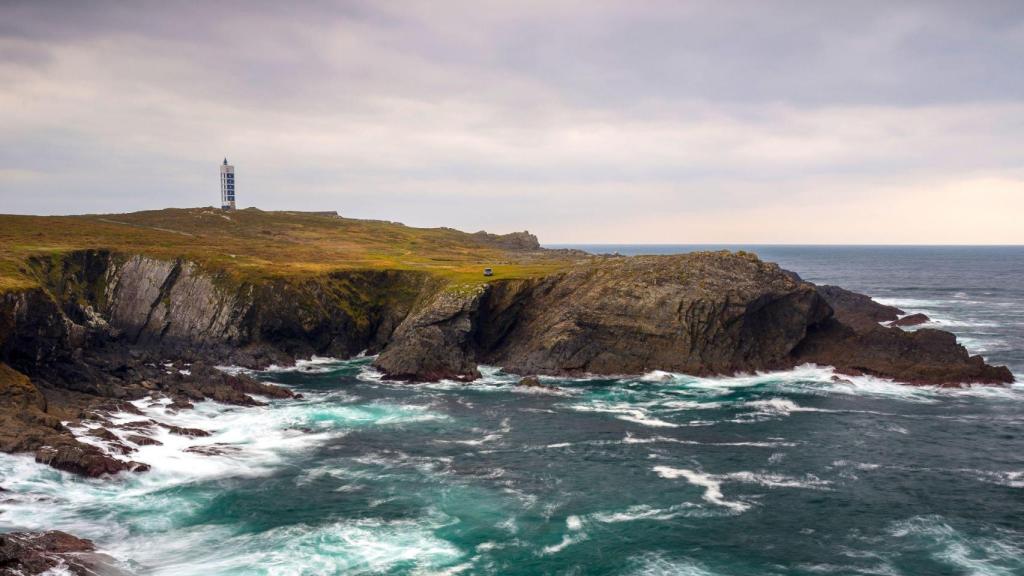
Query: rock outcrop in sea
{"x": 702, "y": 313}
{"x": 105, "y": 328}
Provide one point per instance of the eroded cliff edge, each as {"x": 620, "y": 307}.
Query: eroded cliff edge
{"x": 701, "y": 313}
{"x": 105, "y": 327}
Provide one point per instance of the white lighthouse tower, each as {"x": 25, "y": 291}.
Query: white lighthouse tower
{"x": 227, "y": 186}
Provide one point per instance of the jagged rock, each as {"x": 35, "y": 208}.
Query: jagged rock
{"x": 512, "y": 241}
{"x": 24, "y": 553}
{"x": 73, "y": 456}
{"x": 435, "y": 342}
{"x": 534, "y": 382}
{"x": 212, "y": 450}
{"x": 182, "y": 431}
{"x": 857, "y": 310}
{"x": 104, "y": 434}
{"x": 143, "y": 440}
{"x": 98, "y": 333}
{"x": 530, "y": 382}
{"x": 911, "y": 320}
{"x": 926, "y": 356}
{"x": 700, "y": 313}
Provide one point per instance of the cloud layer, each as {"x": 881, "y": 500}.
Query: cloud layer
{"x": 789, "y": 122}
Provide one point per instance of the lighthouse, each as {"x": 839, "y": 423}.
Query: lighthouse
{"x": 227, "y": 186}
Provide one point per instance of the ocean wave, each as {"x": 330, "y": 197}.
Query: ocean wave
{"x": 711, "y": 485}
{"x": 574, "y": 535}
{"x": 626, "y": 412}
{"x": 365, "y": 546}
{"x": 653, "y": 564}
{"x": 630, "y": 439}
{"x": 988, "y": 553}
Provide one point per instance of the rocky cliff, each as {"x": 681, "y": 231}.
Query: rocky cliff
{"x": 701, "y": 313}
{"x": 101, "y": 325}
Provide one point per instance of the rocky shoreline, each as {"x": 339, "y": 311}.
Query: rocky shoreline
{"x": 105, "y": 329}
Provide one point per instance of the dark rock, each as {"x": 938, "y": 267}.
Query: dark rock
{"x": 104, "y": 434}
{"x": 208, "y": 382}
{"x": 212, "y": 450}
{"x": 139, "y": 425}
{"x": 24, "y": 553}
{"x": 530, "y": 382}
{"x": 85, "y": 460}
{"x": 857, "y": 310}
{"x": 436, "y": 342}
{"x": 181, "y": 403}
{"x": 700, "y": 313}
{"x": 120, "y": 448}
{"x": 926, "y": 356}
{"x": 143, "y": 440}
{"x": 534, "y": 382}
{"x": 911, "y": 320}
{"x": 181, "y": 431}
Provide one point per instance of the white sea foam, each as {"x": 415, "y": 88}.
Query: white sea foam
{"x": 630, "y": 439}
{"x": 712, "y": 484}
{"x": 367, "y": 546}
{"x": 644, "y": 512}
{"x": 976, "y": 555}
{"x": 712, "y": 487}
{"x": 1011, "y": 478}
{"x": 625, "y": 411}
{"x": 778, "y": 480}
{"x": 252, "y": 442}
{"x": 652, "y": 564}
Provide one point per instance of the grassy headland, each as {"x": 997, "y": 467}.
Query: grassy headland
{"x": 252, "y": 244}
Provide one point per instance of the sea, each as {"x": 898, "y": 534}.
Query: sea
{"x": 776, "y": 473}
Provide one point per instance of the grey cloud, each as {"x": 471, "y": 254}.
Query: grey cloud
{"x": 571, "y": 118}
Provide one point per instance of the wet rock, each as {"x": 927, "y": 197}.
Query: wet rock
{"x": 206, "y": 381}
{"x": 436, "y": 341}
{"x": 120, "y": 448}
{"x": 212, "y": 450}
{"x": 86, "y": 460}
{"x": 189, "y": 432}
{"x": 139, "y": 425}
{"x": 104, "y": 434}
{"x": 143, "y": 440}
{"x": 911, "y": 320}
{"x": 926, "y": 356}
{"x": 530, "y": 382}
{"x": 24, "y": 553}
{"x": 857, "y": 310}
{"x": 181, "y": 403}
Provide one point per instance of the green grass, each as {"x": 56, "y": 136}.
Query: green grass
{"x": 252, "y": 245}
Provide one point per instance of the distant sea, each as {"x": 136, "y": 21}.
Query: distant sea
{"x": 781, "y": 473}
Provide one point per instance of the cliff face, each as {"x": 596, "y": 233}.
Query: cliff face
{"x": 171, "y": 307}
{"x": 706, "y": 313}
{"x": 101, "y": 327}
{"x": 703, "y": 313}
{"x": 698, "y": 313}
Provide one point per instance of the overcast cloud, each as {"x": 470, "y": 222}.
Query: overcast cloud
{"x": 650, "y": 121}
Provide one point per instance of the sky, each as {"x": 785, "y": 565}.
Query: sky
{"x": 581, "y": 121}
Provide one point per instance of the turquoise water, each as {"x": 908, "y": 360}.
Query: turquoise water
{"x": 781, "y": 473}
